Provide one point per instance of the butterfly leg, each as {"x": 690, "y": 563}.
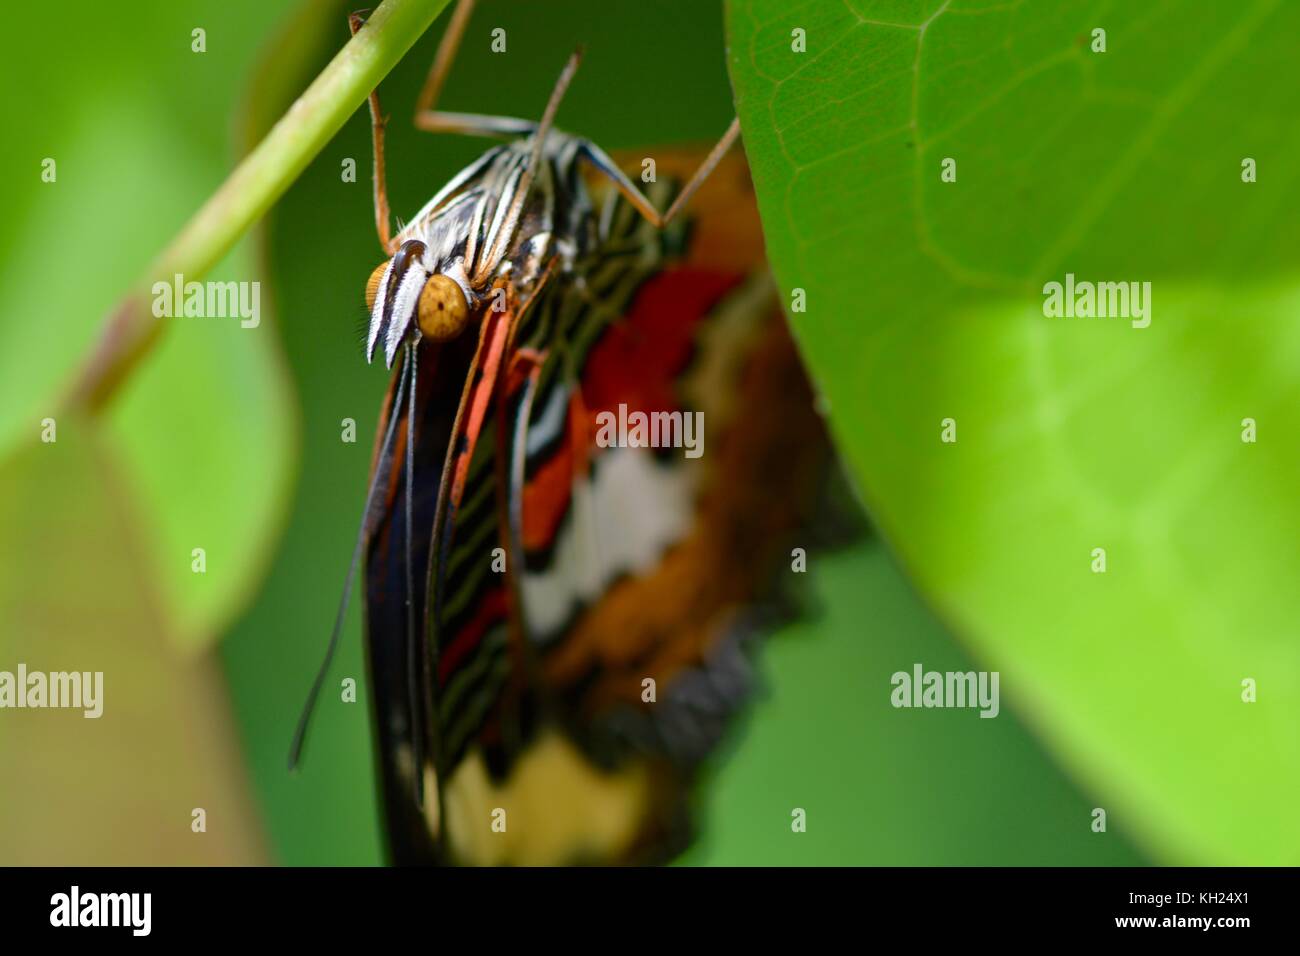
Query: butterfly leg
{"x": 600, "y": 160}
{"x": 469, "y": 124}
{"x": 382, "y": 217}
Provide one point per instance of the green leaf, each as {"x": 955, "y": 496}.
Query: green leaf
{"x": 119, "y": 788}
{"x": 925, "y": 301}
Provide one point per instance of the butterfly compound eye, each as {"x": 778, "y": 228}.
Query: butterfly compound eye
{"x": 443, "y": 311}
{"x": 372, "y": 284}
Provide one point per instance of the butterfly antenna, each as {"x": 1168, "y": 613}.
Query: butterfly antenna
{"x": 412, "y": 645}
{"x": 553, "y": 104}
{"x": 300, "y": 735}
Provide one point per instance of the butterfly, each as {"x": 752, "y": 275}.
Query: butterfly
{"x": 595, "y": 453}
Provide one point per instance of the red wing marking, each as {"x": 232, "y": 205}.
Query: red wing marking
{"x": 637, "y": 361}
{"x": 546, "y": 498}
{"x": 484, "y": 389}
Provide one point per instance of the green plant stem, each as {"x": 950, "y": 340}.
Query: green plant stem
{"x": 256, "y": 183}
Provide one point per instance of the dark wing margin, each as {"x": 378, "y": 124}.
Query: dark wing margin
{"x": 436, "y": 403}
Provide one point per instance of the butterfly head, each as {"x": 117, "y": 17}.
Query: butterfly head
{"x": 409, "y": 294}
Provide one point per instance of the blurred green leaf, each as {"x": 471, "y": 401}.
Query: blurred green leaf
{"x": 924, "y": 302}
{"x": 75, "y": 595}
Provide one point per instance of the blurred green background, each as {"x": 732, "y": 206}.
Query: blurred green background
{"x": 229, "y": 439}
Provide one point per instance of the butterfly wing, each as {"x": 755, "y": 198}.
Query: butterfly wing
{"x": 607, "y": 660}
